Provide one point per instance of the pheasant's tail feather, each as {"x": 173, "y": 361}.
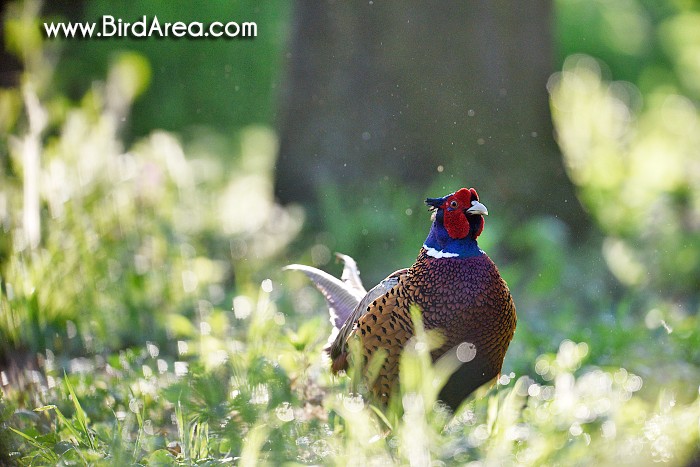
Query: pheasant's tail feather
{"x": 341, "y": 298}
{"x": 343, "y": 295}
{"x": 351, "y": 274}
{"x": 340, "y": 363}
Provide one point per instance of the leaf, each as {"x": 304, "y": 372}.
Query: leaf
{"x": 44, "y": 451}
{"x": 161, "y": 457}
{"x": 80, "y": 417}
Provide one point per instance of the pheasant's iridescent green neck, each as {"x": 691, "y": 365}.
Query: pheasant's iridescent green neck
{"x": 439, "y": 244}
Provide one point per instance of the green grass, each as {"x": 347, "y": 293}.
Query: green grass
{"x": 265, "y": 396}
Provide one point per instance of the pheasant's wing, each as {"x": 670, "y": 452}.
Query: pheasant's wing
{"x": 339, "y": 345}
{"x": 377, "y": 291}
{"x": 351, "y": 274}
{"x": 386, "y": 326}
{"x": 342, "y": 299}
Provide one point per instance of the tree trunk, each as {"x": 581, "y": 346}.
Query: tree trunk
{"x": 388, "y": 89}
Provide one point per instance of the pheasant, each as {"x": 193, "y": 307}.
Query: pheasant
{"x": 455, "y": 284}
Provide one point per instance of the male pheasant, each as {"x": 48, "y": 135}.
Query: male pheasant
{"x": 455, "y": 284}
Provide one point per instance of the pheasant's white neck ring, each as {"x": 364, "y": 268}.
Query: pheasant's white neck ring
{"x": 430, "y": 251}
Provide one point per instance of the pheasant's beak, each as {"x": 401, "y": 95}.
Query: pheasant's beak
{"x": 478, "y": 208}
{"x": 435, "y": 202}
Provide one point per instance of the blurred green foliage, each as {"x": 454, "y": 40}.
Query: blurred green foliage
{"x": 144, "y": 318}
{"x": 632, "y": 146}
{"x": 219, "y": 84}
{"x": 637, "y": 172}
{"x": 103, "y": 242}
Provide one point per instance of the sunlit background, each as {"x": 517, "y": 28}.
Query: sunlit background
{"x": 152, "y": 189}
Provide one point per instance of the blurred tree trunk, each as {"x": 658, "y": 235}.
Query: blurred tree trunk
{"x": 388, "y": 89}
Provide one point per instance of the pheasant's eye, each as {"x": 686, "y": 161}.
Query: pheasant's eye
{"x": 453, "y": 204}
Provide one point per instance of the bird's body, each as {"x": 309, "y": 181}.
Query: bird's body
{"x": 458, "y": 289}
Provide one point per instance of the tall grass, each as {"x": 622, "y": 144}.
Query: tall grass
{"x": 269, "y": 399}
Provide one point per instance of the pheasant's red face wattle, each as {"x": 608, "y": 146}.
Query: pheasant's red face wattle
{"x": 455, "y": 213}
{"x": 454, "y": 220}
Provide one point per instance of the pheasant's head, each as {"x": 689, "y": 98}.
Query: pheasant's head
{"x": 458, "y": 218}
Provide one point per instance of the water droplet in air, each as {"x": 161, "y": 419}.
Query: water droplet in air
{"x": 466, "y": 351}
{"x": 242, "y": 307}
{"x": 354, "y": 403}
{"x": 180, "y": 368}
{"x": 285, "y": 412}
{"x": 504, "y": 380}
{"x": 266, "y": 286}
{"x": 153, "y": 349}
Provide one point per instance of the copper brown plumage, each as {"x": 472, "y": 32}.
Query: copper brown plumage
{"x": 454, "y": 283}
